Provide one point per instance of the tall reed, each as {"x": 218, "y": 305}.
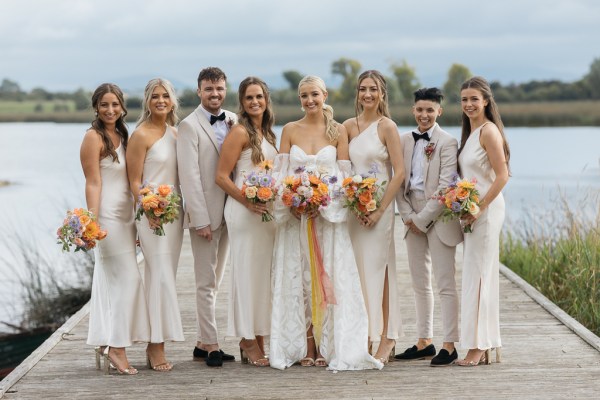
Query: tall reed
{"x": 559, "y": 254}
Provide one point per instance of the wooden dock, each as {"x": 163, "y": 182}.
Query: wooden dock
{"x": 543, "y": 358}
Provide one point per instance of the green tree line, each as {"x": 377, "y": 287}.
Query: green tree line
{"x": 402, "y": 82}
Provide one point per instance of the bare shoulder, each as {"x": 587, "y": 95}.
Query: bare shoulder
{"x": 490, "y": 133}
{"x": 388, "y": 124}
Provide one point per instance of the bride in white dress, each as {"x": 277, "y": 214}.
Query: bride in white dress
{"x": 340, "y": 339}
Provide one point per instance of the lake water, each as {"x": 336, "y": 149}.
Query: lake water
{"x": 42, "y": 160}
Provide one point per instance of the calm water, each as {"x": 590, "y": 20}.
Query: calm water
{"x": 42, "y": 159}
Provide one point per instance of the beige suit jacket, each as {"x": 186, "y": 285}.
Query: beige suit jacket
{"x": 197, "y": 159}
{"x": 439, "y": 170}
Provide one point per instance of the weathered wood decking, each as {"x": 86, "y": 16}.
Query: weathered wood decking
{"x": 542, "y": 359}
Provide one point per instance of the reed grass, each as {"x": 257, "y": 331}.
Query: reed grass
{"x": 558, "y": 253}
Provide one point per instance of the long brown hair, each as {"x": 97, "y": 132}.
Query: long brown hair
{"x": 266, "y": 125}
{"x": 382, "y": 107}
{"x": 491, "y": 113}
{"x": 120, "y": 127}
{"x": 331, "y": 127}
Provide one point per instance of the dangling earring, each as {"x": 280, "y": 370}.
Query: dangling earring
{"x": 96, "y": 113}
{"x": 302, "y": 108}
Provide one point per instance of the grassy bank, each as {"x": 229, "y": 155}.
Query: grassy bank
{"x": 572, "y": 113}
{"x": 559, "y": 254}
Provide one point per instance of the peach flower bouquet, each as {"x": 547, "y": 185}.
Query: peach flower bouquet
{"x": 160, "y": 204}
{"x": 259, "y": 187}
{"x": 79, "y": 229}
{"x": 362, "y": 192}
{"x": 459, "y": 198}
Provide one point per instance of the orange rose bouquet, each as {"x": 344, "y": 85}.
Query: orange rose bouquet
{"x": 79, "y": 229}
{"x": 259, "y": 187}
{"x": 305, "y": 191}
{"x": 160, "y": 204}
{"x": 362, "y": 192}
{"x": 459, "y": 199}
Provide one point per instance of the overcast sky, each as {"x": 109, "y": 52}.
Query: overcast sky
{"x": 66, "y": 44}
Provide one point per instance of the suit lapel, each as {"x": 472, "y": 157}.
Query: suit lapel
{"x": 408, "y": 153}
{"x": 207, "y": 128}
{"x": 433, "y": 140}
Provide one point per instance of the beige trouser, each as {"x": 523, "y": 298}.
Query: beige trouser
{"x": 424, "y": 252}
{"x": 209, "y": 264}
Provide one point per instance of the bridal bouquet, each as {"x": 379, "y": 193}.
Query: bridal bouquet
{"x": 79, "y": 229}
{"x": 459, "y": 199}
{"x": 305, "y": 191}
{"x": 259, "y": 187}
{"x": 362, "y": 193}
{"x": 160, "y": 204}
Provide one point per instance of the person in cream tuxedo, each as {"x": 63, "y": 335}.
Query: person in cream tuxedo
{"x": 201, "y": 135}
{"x": 430, "y": 156}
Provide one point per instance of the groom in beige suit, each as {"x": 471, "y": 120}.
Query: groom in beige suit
{"x": 200, "y": 136}
{"x": 430, "y": 156}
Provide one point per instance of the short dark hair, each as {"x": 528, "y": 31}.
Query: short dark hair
{"x": 212, "y": 74}
{"x": 433, "y": 94}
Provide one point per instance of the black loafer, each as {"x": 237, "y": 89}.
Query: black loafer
{"x": 199, "y": 353}
{"x": 214, "y": 359}
{"x": 444, "y": 359}
{"x": 412, "y": 353}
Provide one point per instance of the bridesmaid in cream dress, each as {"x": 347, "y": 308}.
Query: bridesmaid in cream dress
{"x": 484, "y": 155}
{"x": 249, "y": 143}
{"x": 118, "y": 314}
{"x": 152, "y": 158}
{"x": 375, "y": 148}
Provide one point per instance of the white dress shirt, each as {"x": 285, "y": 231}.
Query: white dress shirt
{"x": 219, "y": 127}
{"x": 417, "y": 180}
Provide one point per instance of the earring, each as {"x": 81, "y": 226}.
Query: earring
{"x": 302, "y": 108}
{"x": 96, "y": 113}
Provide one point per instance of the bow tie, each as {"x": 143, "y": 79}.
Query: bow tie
{"x": 214, "y": 118}
{"x": 417, "y": 136}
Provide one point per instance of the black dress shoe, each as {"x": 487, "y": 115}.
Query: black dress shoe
{"x": 214, "y": 359}
{"x": 199, "y": 353}
{"x": 444, "y": 359}
{"x": 412, "y": 353}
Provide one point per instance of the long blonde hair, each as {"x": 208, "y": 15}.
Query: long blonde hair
{"x": 172, "y": 118}
{"x": 266, "y": 124}
{"x": 331, "y": 127}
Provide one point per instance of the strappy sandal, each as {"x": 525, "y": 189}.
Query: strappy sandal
{"x": 320, "y": 362}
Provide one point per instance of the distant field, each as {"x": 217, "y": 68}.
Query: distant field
{"x": 575, "y": 113}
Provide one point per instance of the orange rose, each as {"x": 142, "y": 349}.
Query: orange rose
{"x": 149, "y": 202}
{"x": 365, "y": 197}
{"x": 350, "y": 192}
{"x": 159, "y": 211}
{"x": 362, "y": 208}
{"x": 78, "y": 212}
{"x": 347, "y": 181}
{"x": 85, "y": 220}
{"x": 265, "y": 193}
{"x": 323, "y": 189}
{"x": 286, "y": 198}
{"x": 462, "y": 193}
{"x": 313, "y": 179}
{"x": 91, "y": 231}
{"x": 164, "y": 190}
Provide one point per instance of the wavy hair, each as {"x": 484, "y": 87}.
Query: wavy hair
{"x": 266, "y": 124}
{"x": 491, "y": 112}
{"x": 382, "y": 107}
{"x": 120, "y": 127}
{"x": 331, "y": 131}
{"x": 172, "y": 118}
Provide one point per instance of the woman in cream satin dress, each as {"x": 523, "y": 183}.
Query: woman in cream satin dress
{"x": 152, "y": 158}
{"x": 375, "y": 149}
{"x": 484, "y": 155}
{"x": 248, "y": 144}
{"x": 118, "y": 313}
{"x": 334, "y": 334}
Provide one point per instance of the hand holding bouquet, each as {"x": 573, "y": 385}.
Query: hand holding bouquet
{"x": 80, "y": 229}
{"x": 460, "y": 199}
{"x": 160, "y": 204}
{"x": 305, "y": 192}
{"x": 259, "y": 187}
{"x": 362, "y": 192}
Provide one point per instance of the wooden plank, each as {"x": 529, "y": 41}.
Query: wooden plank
{"x": 542, "y": 358}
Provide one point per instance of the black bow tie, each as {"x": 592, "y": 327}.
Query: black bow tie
{"x": 417, "y": 136}
{"x": 214, "y": 118}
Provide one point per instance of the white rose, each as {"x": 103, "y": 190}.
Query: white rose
{"x": 473, "y": 209}
{"x": 251, "y": 192}
{"x": 371, "y": 206}
{"x": 357, "y": 179}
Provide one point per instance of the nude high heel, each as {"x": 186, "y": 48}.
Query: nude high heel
{"x": 108, "y": 362}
